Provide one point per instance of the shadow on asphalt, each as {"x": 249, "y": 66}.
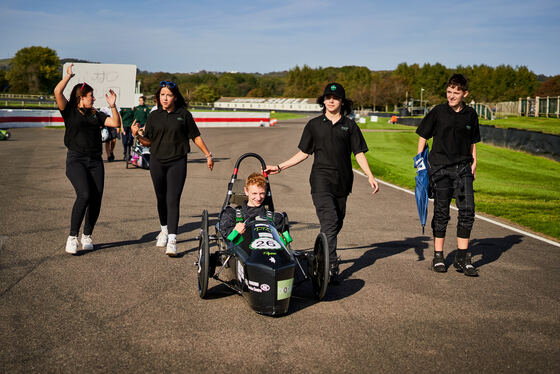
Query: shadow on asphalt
{"x": 491, "y": 249}
{"x": 150, "y": 237}
{"x": 382, "y": 250}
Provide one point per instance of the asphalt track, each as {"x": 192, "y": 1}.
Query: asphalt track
{"x": 126, "y": 307}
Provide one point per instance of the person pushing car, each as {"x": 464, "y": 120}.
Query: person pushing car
{"x": 331, "y": 137}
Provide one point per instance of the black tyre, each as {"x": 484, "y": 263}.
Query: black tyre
{"x": 203, "y": 257}
{"x": 320, "y": 266}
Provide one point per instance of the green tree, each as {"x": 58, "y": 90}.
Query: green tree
{"x": 550, "y": 87}
{"x": 4, "y": 84}
{"x": 204, "y": 94}
{"x": 34, "y": 70}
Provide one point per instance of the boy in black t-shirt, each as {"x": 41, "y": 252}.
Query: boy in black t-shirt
{"x": 452, "y": 167}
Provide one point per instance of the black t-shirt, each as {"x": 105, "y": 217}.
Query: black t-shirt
{"x": 332, "y": 146}
{"x": 170, "y": 133}
{"x": 83, "y": 131}
{"x": 453, "y": 133}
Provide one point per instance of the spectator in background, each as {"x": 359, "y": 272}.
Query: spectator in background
{"x": 113, "y": 136}
{"x": 127, "y": 118}
{"x": 141, "y": 111}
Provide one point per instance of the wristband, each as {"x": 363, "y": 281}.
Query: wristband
{"x": 209, "y": 155}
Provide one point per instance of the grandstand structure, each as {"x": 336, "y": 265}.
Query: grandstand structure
{"x": 268, "y": 103}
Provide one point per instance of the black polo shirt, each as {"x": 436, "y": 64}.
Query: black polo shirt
{"x": 83, "y": 131}
{"x": 453, "y": 133}
{"x": 332, "y": 146}
{"x": 170, "y": 133}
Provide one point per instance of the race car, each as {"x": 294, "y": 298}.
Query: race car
{"x": 4, "y": 134}
{"x": 262, "y": 267}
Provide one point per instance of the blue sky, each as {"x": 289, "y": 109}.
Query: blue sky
{"x": 264, "y": 36}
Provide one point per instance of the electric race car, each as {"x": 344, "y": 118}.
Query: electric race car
{"x": 261, "y": 266}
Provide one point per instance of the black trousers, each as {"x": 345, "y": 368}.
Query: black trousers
{"x": 448, "y": 182}
{"x": 87, "y": 174}
{"x": 331, "y": 211}
{"x": 168, "y": 179}
{"x": 127, "y": 139}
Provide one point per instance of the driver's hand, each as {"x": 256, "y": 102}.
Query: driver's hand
{"x": 240, "y": 227}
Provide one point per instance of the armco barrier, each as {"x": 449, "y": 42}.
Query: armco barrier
{"x": 11, "y": 118}
{"x": 536, "y": 143}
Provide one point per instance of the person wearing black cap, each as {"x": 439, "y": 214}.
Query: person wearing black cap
{"x": 331, "y": 138}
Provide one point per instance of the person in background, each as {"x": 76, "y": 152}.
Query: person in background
{"x": 127, "y": 116}
{"x": 84, "y": 164}
{"x": 141, "y": 111}
{"x": 111, "y": 142}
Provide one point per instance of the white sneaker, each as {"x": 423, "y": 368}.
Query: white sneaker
{"x": 161, "y": 239}
{"x": 72, "y": 245}
{"x": 87, "y": 243}
{"x": 171, "y": 250}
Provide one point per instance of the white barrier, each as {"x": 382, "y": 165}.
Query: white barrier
{"x": 11, "y": 118}
{"x": 231, "y": 119}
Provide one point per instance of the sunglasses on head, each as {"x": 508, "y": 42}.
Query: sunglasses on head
{"x": 83, "y": 85}
{"x": 168, "y": 84}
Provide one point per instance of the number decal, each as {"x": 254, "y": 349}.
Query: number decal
{"x": 265, "y": 243}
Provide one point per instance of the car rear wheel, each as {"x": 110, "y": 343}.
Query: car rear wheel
{"x": 320, "y": 267}
{"x": 203, "y": 257}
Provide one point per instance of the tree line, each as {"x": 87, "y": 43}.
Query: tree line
{"x": 36, "y": 70}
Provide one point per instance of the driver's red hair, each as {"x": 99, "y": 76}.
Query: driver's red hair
{"x": 256, "y": 179}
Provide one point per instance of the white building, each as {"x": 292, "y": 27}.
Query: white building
{"x": 268, "y": 103}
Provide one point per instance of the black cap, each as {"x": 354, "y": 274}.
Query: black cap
{"x": 335, "y": 89}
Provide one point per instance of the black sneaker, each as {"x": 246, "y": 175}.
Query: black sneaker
{"x": 334, "y": 276}
{"x": 438, "y": 263}
{"x": 111, "y": 157}
{"x": 464, "y": 265}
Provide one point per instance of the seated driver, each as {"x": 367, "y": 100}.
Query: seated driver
{"x": 232, "y": 226}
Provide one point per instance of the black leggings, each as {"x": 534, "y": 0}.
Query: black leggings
{"x": 87, "y": 174}
{"x": 168, "y": 179}
{"x": 331, "y": 211}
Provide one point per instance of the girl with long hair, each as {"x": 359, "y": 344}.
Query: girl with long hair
{"x": 84, "y": 164}
{"x": 167, "y": 133}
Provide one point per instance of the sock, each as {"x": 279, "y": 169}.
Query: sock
{"x": 438, "y": 253}
{"x": 164, "y": 229}
{"x": 172, "y": 237}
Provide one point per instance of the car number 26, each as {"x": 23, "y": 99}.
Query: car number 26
{"x": 265, "y": 243}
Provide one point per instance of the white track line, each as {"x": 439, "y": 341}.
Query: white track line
{"x": 477, "y": 215}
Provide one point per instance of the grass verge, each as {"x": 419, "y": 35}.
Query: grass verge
{"x": 545, "y": 125}
{"x": 514, "y": 185}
